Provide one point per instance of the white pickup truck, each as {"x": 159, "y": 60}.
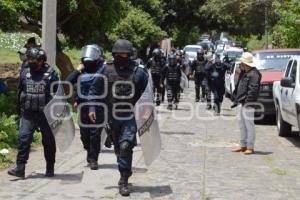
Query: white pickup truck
{"x": 286, "y": 95}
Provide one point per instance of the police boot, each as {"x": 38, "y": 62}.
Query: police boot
{"x": 108, "y": 142}
{"x": 157, "y": 102}
{"x": 49, "y": 170}
{"x": 197, "y": 100}
{"x": 94, "y": 165}
{"x": 123, "y": 184}
{"x": 88, "y": 159}
{"x": 18, "y": 171}
{"x": 208, "y": 107}
{"x": 169, "y": 107}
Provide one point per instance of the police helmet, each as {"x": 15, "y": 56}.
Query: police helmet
{"x": 36, "y": 53}
{"x": 156, "y": 53}
{"x": 200, "y": 51}
{"x": 178, "y": 53}
{"x": 91, "y": 52}
{"x": 172, "y": 60}
{"x": 122, "y": 46}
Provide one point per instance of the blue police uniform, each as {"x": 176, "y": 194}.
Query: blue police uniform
{"x": 124, "y": 96}
{"x": 216, "y": 74}
{"x": 172, "y": 74}
{"x": 156, "y": 66}
{"x": 34, "y": 87}
{"x": 200, "y": 77}
{"x": 90, "y": 136}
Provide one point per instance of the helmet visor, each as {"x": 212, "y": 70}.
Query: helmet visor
{"x": 90, "y": 52}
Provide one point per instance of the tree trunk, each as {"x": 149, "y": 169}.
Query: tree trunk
{"x": 64, "y": 64}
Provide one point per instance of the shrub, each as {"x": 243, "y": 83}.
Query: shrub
{"x": 8, "y": 104}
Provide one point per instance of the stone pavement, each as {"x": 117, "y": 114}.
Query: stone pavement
{"x": 195, "y": 164}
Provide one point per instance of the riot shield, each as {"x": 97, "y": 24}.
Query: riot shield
{"x": 147, "y": 124}
{"x": 59, "y": 117}
{"x": 184, "y": 80}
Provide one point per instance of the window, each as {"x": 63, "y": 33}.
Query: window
{"x": 293, "y": 73}
{"x": 288, "y": 68}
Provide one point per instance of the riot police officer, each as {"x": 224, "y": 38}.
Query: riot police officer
{"x": 91, "y": 67}
{"x": 34, "y": 86}
{"x": 172, "y": 73}
{"x": 156, "y": 65}
{"x": 126, "y": 83}
{"x": 135, "y": 57}
{"x": 200, "y": 76}
{"x": 216, "y": 75}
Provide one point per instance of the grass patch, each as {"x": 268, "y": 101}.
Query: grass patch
{"x": 279, "y": 171}
{"x": 8, "y": 56}
{"x": 268, "y": 159}
{"x": 276, "y": 170}
{"x": 8, "y": 160}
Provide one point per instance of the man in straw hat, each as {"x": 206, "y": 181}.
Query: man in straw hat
{"x": 246, "y": 93}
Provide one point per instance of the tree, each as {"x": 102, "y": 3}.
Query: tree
{"x": 81, "y": 21}
{"x": 138, "y": 27}
{"x": 239, "y": 17}
{"x": 287, "y": 31}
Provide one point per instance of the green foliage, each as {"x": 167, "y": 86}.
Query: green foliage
{"x": 11, "y": 10}
{"x": 287, "y": 32}
{"x": 14, "y": 41}
{"x": 239, "y": 17}
{"x": 8, "y": 56}
{"x": 8, "y": 132}
{"x": 8, "y": 104}
{"x": 139, "y": 28}
{"x": 254, "y": 43}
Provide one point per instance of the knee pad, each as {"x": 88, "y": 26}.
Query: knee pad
{"x": 125, "y": 149}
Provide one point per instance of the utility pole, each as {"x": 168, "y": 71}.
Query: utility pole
{"x": 266, "y": 26}
{"x": 49, "y": 30}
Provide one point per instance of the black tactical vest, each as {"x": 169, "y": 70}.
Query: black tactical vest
{"x": 173, "y": 74}
{"x": 156, "y": 67}
{"x": 121, "y": 90}
{"x": 35, "y": 94}
{"x": 200, "y": 67}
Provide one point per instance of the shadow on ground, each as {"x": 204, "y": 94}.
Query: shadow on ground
{"x": 137, "y": 170}
{"x": 177, "y": 133}
{"x": 154, "y": 191}
{"x": 65, "y": 178}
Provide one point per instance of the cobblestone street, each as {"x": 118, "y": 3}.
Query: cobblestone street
{"x": 195, "y": 163}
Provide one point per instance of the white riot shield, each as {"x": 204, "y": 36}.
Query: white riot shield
{"x": 59, "y": 118}
{"x": 147, "y": 124}
{"x": 184, "y": 81}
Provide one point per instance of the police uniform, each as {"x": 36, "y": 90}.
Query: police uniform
{"x": 35, "y": 94}
{"x": 198, "y": 68}
{"x": 156, "y": 66}
{"x": 172, "y": 74}
{"x": 216, "y": 75}
{"x": 90, "y": 136}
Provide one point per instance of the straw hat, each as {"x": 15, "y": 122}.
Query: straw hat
{"x": 247, "y": 58}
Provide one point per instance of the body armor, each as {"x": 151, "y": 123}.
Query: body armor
{"x": 156, "y": 67}
{"x": 173, "y": 75}
{"x": 35, "y": 94}
{"x": 200, "y": 67}
{"x": 86, "y": 81}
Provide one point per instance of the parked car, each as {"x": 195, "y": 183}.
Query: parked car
{"x": 232, "y": 52}
{"x": 207, "y": 45}
{"x": 191, "y": 51}
{"x": 287, "y": 98}
{"x": 271, "y": 63}
{"x": 231, "y": 78}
